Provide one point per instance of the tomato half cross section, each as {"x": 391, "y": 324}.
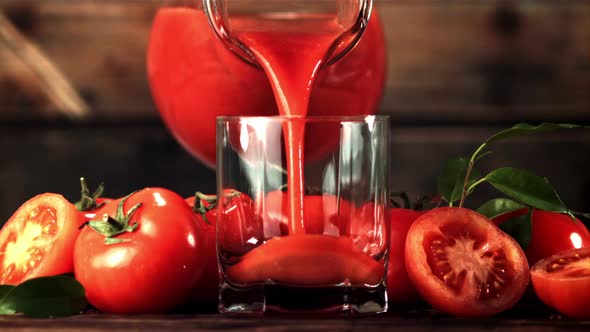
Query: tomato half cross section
{"x": 307, "y": 259}
{"x": 562, "y": 281}
{"x": 464, "y": 265}
{"x": 38, "y": 240}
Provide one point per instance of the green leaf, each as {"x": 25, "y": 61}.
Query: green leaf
{"x": 525, "y": 129}
{"x": 527, "y": 188}
{"x": 499, "y": 206}
{"x": 46, "y": 297}
{"x": 452, "y": 179}
{"x": 4, "y": 290}
{"x": 520, "y": 228}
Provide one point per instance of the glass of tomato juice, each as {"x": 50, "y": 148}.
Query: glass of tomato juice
{"x": 303, "y": 232}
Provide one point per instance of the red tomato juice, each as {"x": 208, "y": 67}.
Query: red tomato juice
{"x": 291, "y": 59}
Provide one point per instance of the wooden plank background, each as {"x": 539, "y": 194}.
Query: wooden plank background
{"x": 454, "y": 61}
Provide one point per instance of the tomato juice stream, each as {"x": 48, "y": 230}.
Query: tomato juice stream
{"x": 291, "y": 59}
{"x": 291, "y": 54}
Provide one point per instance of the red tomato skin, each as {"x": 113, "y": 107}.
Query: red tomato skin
{"x": 567, "y": 295}
{"x": 436, "y": 292}
{"x": 155, "y": 269}
{"x": 206, "y": 290}
{"x": 552, "y": 233}
{"x": 58, "y": 258}
{"x": 237, "y": 224}
{"x": 399, "y": 287}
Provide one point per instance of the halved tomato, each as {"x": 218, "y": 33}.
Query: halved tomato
{"x": 464, "y": 265}
{"x": 38, "y": 240}
{"x": 562, "y": 281}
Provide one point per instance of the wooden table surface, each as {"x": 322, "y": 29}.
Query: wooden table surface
{"x": 518, "y": 319}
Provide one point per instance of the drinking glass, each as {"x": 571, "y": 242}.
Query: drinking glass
{"x": 333, "y": 258}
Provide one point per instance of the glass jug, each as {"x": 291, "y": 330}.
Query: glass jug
{"x": 194, "y": 78}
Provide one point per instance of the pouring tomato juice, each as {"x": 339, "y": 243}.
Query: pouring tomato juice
{"x": 291, "y": 61}
{"x": 194, "y": 79}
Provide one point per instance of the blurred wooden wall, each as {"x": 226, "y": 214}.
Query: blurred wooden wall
{"x": 453, "y": 61}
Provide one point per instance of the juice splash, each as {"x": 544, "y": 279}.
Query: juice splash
{"x": 291, "y": 52}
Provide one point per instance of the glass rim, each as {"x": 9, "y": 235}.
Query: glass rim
{"x": 312, "y": 118}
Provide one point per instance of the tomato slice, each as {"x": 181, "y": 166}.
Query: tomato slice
{"x": 562, "y": 281}
{"x": 38, "y": 240}
{"x": 464, "y": 265}
{"x": 307, "y": 259}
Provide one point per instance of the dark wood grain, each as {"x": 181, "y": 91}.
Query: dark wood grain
{"x": 450, "y": 61}
{"x": 417, "y": 321}
{"x": 41, "y": 158}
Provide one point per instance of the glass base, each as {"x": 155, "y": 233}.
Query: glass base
{"x": 282, "y": 299}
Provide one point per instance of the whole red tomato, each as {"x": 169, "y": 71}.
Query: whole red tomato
{"x": 206, "y": 291}
{"x": 463, "y": 264}
{"x": 551, "y": 233}
{"x": 399, "y": 287}
{"x": 194, "y": 79}
{"x": 38, "y": 240}
{"x": 239, "y": 228}
{"x": 562, "y": 281}
{"x": 144, "y": 257}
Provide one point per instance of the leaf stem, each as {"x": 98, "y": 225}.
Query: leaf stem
{"x": 468, "y": 173}
{"x": 475, "y": 184}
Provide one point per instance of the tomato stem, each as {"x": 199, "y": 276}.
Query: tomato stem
{"x": 88, "y": 200}
{"x": 111, "y": 227}
{"x": 212, "y": 200}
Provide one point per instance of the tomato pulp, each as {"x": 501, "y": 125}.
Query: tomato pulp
{"x": 562, "y": 281}
{"x": 194, "y": 78}
{"x": 38, "y": 240}
{"x": 464, "y": 265}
